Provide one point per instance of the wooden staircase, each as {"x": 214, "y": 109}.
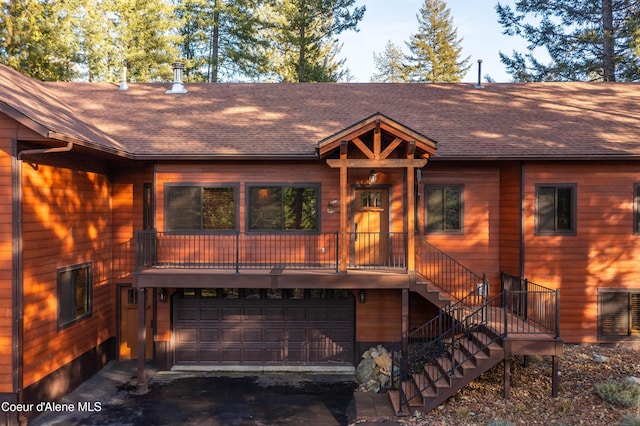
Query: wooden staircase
{"x": 441, "y": 378}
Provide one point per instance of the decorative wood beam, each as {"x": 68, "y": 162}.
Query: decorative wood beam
{"x": 377, "y": 141}
{"x": 388, "y": 150}
{"x": 365, "y": 150}
{"x": 411, "y": 148}
{"x": 362, "y": 163}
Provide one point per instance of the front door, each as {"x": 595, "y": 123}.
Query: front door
{"x": 370, "y": 236}
{"x": 128, "y": 340}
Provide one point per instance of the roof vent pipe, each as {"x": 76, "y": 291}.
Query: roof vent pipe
{"x": 178, "y": 85}
{"x": 123, "y": 84}
{"x": 479, "y": 85}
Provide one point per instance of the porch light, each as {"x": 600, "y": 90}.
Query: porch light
{"x": 162, "y": 295}
{"x": 373, "y": 177}
{"x": 363, "y": 295}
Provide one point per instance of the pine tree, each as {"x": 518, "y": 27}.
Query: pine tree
{"x": 390, "y": 65}
{"x": 585, "y": 40}
{"x": 436, "y": 48}
{"x": 221, "y": 39}
{"x": 303, "y": 34}
{"x": 37, "y": 38}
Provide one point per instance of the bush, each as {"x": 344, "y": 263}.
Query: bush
{"x": 630, "y": 420}
{"x": 625, "y": 394}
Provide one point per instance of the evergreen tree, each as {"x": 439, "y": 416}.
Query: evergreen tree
{"x": 302, "y": 34}
{"x": 585, "y": 40}
{"x": 221, "y": 39}
{"x": 390, "y": 65}
{"x": 436, "y": 48}
{"x": 37, "y": 38}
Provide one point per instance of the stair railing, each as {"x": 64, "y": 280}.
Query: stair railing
{"x": 444, "y": 271}
{"x": 442, "y": 335}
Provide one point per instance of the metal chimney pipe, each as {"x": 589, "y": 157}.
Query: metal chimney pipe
{"x": 479, "y": 85}
{"x": 178, "y": 85}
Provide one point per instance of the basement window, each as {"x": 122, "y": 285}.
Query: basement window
{"x": 74, "y": 294}
{"x": 619, "y": 313}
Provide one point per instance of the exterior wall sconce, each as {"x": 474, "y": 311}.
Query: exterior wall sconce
{"x": 373, "y": 177}
{"x": 362, "y": 295}
{"x": 333, "y": 206}
{"x": 162, "y": 295}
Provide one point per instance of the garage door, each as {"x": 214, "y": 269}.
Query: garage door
{"x": 277, "y": 327}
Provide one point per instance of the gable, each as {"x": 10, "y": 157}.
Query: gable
{"x": 378, "y": 138}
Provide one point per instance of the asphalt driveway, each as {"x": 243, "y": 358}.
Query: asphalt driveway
{"x": 208, "y": 399}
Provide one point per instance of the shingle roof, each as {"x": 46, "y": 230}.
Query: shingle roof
{"x": 531, "y": 120}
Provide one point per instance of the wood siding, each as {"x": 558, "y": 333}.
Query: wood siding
{"x": 477, "y": 247}
{"x": 510, "y": 218}
{"x": 66, "y": 221}
{"x": 379, "y": 319}
{"x": 604, "y": 252}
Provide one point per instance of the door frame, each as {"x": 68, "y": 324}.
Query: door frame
{"x": 151, "y": 320}
{"x": 385, "y": 223}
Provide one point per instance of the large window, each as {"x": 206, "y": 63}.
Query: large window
{"x": 444, "y": 209}
{"x": 619, "y": 313}
{"x": 283, "y": 208}
{"x": 200, "y": 207}
{"x": 556, "y": 209}
{"x": 74, "y": 294}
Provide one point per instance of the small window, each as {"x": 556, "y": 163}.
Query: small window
{"x": 200, "y": 208}
{"x": 283, "y": 208}
{"x": 444, "y": 209}
{"x": 74, "y": 294}
{"x": 619, "y": 313}
{"x": 556, "y": 209}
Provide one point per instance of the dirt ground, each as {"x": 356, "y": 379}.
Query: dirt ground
{"x": 530, "y": 403}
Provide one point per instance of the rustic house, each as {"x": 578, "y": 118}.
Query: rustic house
{"x": 289, "y": 226}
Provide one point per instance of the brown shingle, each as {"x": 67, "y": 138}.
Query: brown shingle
{"x": 530, "y": 120}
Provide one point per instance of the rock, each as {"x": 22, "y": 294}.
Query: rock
{"x": 633, "y": 379}
{"x": 383, "y": 361}
{"x": 365, "y": 369}
{"x": 600, "y": 358}
{"x": 373, "y": 386}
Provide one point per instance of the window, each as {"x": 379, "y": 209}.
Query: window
{"x": 200, "y": 207}
{"x": 619, "y": 313}
{"x": 444, "y": 209}
{"x": 283, "y": 208}
{"x": 556, "y": 209}
{"x": 74, "y": 294}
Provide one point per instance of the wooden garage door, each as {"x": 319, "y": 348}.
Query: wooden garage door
{"x": 246, "y": 326}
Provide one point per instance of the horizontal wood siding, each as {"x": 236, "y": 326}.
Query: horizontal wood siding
{"x": 66, "y": 221}
{"x": 510, "y": 218}
{"x": 604, "y": 253}
{"x": 379, "y": 318}
{"x": 8, "y": 131}
{"x": 477, "y": 247}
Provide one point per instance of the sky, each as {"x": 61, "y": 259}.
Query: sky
{"x": 475, "y": 20}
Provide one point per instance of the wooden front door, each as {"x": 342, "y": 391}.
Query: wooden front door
{"x": 371, "y": 227}
{"x": 128, "y": 339}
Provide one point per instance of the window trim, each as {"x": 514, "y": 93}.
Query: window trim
{"x": 574, "y": 209}
{"x": 64, "y": 323}
{"x": 202, "y": 187}
{"x": 459, "y": 187}
{"x": 314, "y": 185}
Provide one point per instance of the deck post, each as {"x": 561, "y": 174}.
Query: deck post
{"x": 507, "y": 377}
{"x": 554, "y": 376}
{"x": 142, "y": 337}
{"x": 405, "y": 319}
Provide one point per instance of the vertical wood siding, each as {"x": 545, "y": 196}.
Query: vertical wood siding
{"x": 603, "y": 254}
{"x": 510, "y": 218}
{"x": 66, "y": 221}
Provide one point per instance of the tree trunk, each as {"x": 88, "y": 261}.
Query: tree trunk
{"x": 214, "y": 44}
{"x": 608, "y": 42}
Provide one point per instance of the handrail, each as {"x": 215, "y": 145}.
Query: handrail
{"x": 477, "y": 318}
{"x": 444, "y": 271}
{"x": 537, "y": 306}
